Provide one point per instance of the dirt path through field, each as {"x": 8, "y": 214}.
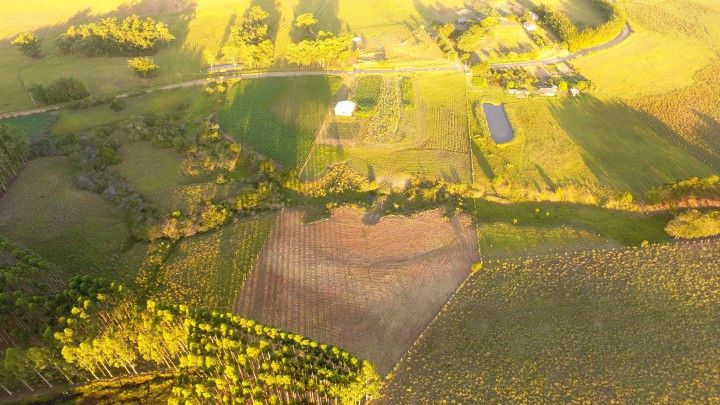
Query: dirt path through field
{"x": 371, "y": 289}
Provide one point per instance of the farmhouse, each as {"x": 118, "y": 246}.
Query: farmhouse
{"x": 345, "y": 108}
{"x": 574, "y": 92}
{"x": 519, "y": 93}
{"x": 529, "y": 26}
{"x": 548, "y": 91}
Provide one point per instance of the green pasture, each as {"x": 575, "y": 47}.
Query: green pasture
{"x": 278, "y": 117}
{"x": 72, "y": 228}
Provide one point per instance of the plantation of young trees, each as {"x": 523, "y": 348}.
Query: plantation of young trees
{"x": 249, "y": 44}
{"x": 104, "y": 333}
{"x": 14, "y": 153}
{"x": 110, "y": 37}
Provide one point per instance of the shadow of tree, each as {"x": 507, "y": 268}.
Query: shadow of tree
{"x": 278, "y": 117}
{"x": 621, "y": 149}
{"x": 326, "y": 11}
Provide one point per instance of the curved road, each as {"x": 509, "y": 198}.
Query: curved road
{"x": 624, "y": 34}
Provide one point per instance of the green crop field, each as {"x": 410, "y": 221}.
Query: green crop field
{"x": 210, "y": 270}
{"x": 428, "y": 137}
{"x": 278, "y": 117}
{"x": 586, "y": 327}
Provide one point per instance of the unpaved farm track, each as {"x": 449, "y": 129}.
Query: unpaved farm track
{"x": 624, "y": 34}
{"x": 370, "y": 289}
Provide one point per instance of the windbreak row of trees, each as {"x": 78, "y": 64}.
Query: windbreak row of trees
{"x": 576, "y": 39}
{"x": 14, "y": 153}
{"x": 102, "y": 333}
{"x": 113, "y": 37}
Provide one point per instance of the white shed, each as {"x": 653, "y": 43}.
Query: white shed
{"x": 345, "y": 108}
{"x": 529, "y": 26}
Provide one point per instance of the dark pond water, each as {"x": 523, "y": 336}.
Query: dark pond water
{"x": 500, "y": 128}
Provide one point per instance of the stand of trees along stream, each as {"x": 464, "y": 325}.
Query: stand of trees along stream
{"x": 14, "y": 153}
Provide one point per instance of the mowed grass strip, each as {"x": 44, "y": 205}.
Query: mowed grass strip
{"x": 193, "y": 102}
{"x": 72, "y": 228}
{"x": 278, "y": 117}
{"x": 209, "y": 270}
{"x": 629, "y": 326}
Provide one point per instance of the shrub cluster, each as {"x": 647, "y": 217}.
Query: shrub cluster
{"x": 61, "y": 90}
{"x": 110, "y": 37}
{"x": 692, "y": 189}
{"x": 694, "y": 224}
{"x": 28, "y": 43}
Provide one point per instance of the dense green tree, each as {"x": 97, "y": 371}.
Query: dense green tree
{"x": 325, "y": 50}
{"x": 60, "y": 90}
{"x": 28, "y": 43}
{"x": 143, "y": 65}
{"x": 249, "y": 44}
{"x": 109, "y": 36}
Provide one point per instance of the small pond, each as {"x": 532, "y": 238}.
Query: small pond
{"x": 500, "y": 128}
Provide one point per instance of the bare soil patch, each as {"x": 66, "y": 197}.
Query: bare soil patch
{"x": 370, "y": 289}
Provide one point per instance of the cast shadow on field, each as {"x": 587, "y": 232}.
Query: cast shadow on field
{"x": 280, "y": 131}
{"x": 274, "y": 16}
{"x": 626, "y": 149}
{"x": 708, "y": 133}
{"x": 326, "y": 11}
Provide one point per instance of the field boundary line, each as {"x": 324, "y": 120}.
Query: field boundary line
{"x": 342, "y": 93}
{"x": 422, "y": 334}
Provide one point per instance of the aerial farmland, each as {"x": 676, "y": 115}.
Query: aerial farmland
{"x": 356, "y": 202}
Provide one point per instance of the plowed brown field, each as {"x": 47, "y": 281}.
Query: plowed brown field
{"x": 370, "y": 289}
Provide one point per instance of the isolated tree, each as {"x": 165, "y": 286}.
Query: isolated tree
{"x": 144, "y": 66}
{"x": 249, "y": 44}
{"x": 306, "y": 23}
{"x": 28, "y": 43}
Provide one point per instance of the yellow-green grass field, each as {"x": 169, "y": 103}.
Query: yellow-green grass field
{"x": 158, "y": 175}
{"x": 629, "y": 326}
{"x": 513, "y": 224}
{"x": 505, "y": 40}
{"x": 506, "y": 240}
{"x": 209, "y": 270}
{"x": 692, "y": 112}
{"x": 582, "y": 149}
{"x": 72, "y": 228}
{"x": 673, "y": 39}
{"x": 278, "y": 117}
{"x": 430, "y": 137}
{"x": 200, "y": 30}
{"x": 192, "y": 101}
